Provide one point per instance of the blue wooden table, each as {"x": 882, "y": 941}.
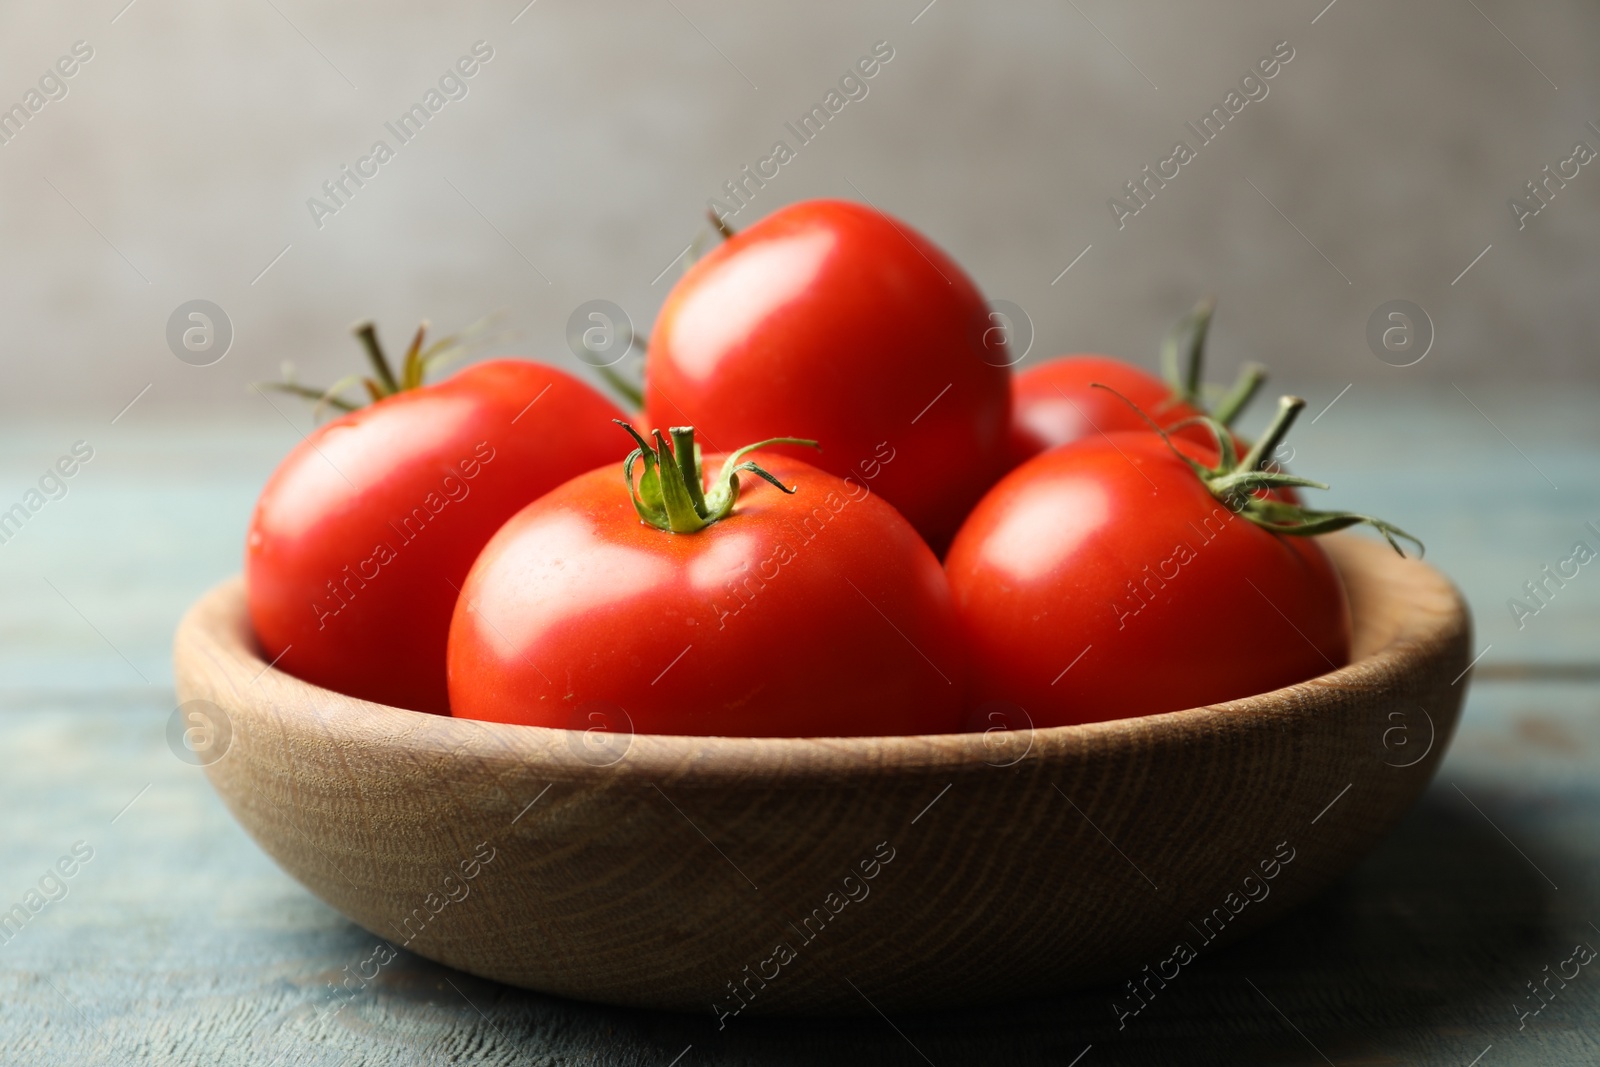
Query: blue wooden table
{"x": 174, "y": 940}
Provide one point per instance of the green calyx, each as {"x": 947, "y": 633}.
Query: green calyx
{"x": 1239, "y": 482}
{"x": 669, "y": 494}
{"x": 419, "y": 362}
{"x": 1183, "y": 360}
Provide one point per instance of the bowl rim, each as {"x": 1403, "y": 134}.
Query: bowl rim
{"x": 216, "y": 630}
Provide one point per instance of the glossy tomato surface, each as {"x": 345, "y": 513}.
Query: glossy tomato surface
{"x": 1057, "y": 402}
{"x": 832, "y": 321}
{"x": 367, "y": 528}
{"x": 817, "y": 614}
{"x": 1102, "y": 580}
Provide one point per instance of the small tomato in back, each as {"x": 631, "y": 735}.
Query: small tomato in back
{"x": 366, "y": 530}
{"x": 1074, "y": 397}
{"x": 819, "y": 613}
{"x": 1057, "y": 402}
{"x": 836, "y": 322}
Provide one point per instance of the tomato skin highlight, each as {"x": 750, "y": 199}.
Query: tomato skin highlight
{"x": 1056, "y": 403}
{"x": 367, "y": 528}
{"x": 1102, "y": 580}
{"x": 829, "y": 320}
{"x": 749, "y": 627}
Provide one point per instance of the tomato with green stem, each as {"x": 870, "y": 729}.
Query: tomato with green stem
{"x": 775, "y": 600}
{"x": 1056, "y": 402}
{"x": 834, "y": 320}
{"x": 1137, "y": 573}
{"x": 366, "y": 530}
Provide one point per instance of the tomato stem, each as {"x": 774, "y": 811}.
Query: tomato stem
{"x": 670, "y": 494}
{"x": 687, "y": 454}
{"x": 1183, "y": 365}
{"x": 1289, "y": 409}
{"x": 368, "y": 334}
{"x": 1243, "y": 484}
{"x": 1183, "y": 351}
{"x": 718, "y": 224}
{"x": 412, "y": 368}
{"x": 1252, "y": 376}
{"x": 682, "y": 515}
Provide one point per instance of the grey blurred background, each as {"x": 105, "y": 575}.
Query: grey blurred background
{"x": 179, "y": 165}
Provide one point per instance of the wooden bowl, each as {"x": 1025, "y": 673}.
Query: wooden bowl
{"x": 817, "y": 876}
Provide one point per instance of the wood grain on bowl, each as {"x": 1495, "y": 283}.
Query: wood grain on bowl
{"x": 812, "y": 876}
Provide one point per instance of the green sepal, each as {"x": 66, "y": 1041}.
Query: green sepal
{"x": 649, "y": 492}
{"x": 669, "y": 494}
{"x": 1226, "y": 408}
{"x": 411, "y": 367}
{"x": 1235, "y": 482}
{"x": 1246, "y": 481}
{"x": 419, "y": 362}
{"x": 725, "y": 487}
{"x": 1310, "y": 523}
{"x": 1183, "y": 351}
{"x": 323, "y": 397}
{"x": 385, "y": 385}
{"x": 1183, "y": 364}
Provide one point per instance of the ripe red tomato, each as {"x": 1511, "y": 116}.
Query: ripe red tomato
{"x": 1059, "y": 401}
{"x": 820, "y": 613}
{"x": 1105, "y": 579}
{"x": 835, "y": 321}
{"x": 368, "y": 527}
